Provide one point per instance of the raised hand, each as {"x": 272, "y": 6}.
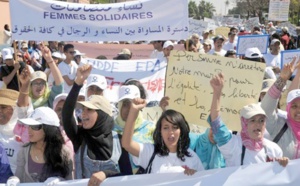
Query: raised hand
{"x": 138, "y": 103}
{"x": 82, "y": 73}
{"x": 46, "y": 53}
{"x": 287, "y": 70}
{"x": 283, "y": 161}
{"x": 97, "y": 178}
{"x": 217, "y": 82}
{"x": 24, "y": 77}
{"x": 164, "y": 102}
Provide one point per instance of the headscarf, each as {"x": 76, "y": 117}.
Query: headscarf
{"x": 251, "y": 144}
{"x": 99, "y": 138}
{"x": 294, "y": 125}
{"x": 119, "y": 121}
{"x": 41, "y": 101}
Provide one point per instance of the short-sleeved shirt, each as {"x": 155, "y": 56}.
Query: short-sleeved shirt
{"x": 68, "y": 70}
{"x": 166, "y": 164}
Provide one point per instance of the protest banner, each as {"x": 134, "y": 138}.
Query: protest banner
{"x": 259, "y": 41}
{"x": 287, "y": 57}
{"x": 218, "y": 19}
{"x": 251, "y": 22}
{"x": 231, "y": 21}
{"x": 150, "y": 72}
{"x": 223, "y": 31}
{"x": 152, "y": 113}
{"x": 291, "y": 27}
{"x": 279, "y": 10}
{"x": 211, "y": 23}
{"x": 262, "y": 174}
{"x": 197, "y": 26}
{"x": 127, "y": 21}
{"x": 187, "y": 84}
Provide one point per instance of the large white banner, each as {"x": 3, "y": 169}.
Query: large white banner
{"x": 197, "y": 26}
{"x": 151, "y": 73}
{"x": 263, "y": 174}
{"x": 134, "y": 20}
{"x": 279, "y": 10}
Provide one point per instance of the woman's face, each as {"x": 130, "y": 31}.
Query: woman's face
{"x": 36, "y": 133}
{"x": 94, "y": 90}
{"x": 170, "y": 134}
{"x": 125, "y": 109}
{"x": 256, "y": 126}
{"x": 38, "y": 87}
{"x": 89, "y": 117}
{"x": 295, "y": 110}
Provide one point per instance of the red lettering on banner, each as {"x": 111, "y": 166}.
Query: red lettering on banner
{"x": 111, "y": 82}
{"x": 155, "y": 85}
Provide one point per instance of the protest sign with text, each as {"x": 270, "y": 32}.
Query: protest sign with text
{"x": 287, "y": 57}
{"x": 223, "y": 31}
{"x": 251, "y": 22}
{"x": 187, "y": 84}
{"x": 127, "y": 21}
{"x": 291, "y": 28}
{"x": 279, "y": 10}
{"x": 211, "y": 23}
{"x": 197, "y": 26}
{"x": 150, "y": 72}
{"x": 258, "y": 41}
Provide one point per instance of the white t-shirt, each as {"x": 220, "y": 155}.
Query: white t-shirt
{"x": 222, "y": 52}
{"x": 68, "y": 70}
{"x": 166, "y": 164}
{"x": 156, "y": 54}
{"x": 232, "y": 152}
{"x": 273, "y": 60}
{"x": 230, "y": 46}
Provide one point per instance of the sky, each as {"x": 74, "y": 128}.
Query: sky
{"x": 219, "y": 4}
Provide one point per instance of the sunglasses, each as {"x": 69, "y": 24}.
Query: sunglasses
{"x": 72, "y": 52}
{"x": 36, "y": 127}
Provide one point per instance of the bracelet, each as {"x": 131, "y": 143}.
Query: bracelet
{"x": 25, "y": 93}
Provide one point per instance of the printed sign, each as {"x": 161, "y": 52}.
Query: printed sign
{"x": 258, "y": 41}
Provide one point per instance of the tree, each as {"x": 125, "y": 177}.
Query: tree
{"x": 204, "y": 9}
{"x": 226, "y": 5}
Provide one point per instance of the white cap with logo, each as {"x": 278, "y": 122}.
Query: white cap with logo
{"x": 7, "y": 54}
{"x": 42, "y": 115}
{"x": 129, "y": 92}
{"x": 97, "y": 80}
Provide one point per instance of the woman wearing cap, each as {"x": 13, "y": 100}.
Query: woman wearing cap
{"x": 170, "y": 151}
{"x": 45, "y": 156}
{"x": 249, "y": 146}
{"x": 285, "y": 130}
{"x": 36, "y": 87}
{"x": 97, "y": 148}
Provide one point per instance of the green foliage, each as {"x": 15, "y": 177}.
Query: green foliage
{"x": 99, "y": 1}
{"x": 204, "y": 9}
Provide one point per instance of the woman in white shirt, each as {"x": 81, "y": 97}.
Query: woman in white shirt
{"x": 249, "y": 146}
{"x": 170, "y": 151}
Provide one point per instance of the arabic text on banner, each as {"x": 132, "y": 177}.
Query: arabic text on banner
{"x": 128, "y": 21}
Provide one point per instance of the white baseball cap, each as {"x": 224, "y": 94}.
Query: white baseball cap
{"x": 168, "y": 43}
{"x": 97, "y": 80}
{"x": 42, "y": 115}
{"x": 78, "y": 53}
{"x": 253, "y": 53}
{"x": 266, "y": 85}
{"x": 274, "y": 41}
{"x": 293, "y": 95}
{"x": 129, "y": 92}
{"x": 58, "y": 98}
{"x": 251, "y": 110}
{"x": 57, "y": 55}
{"x": 7, "y": 54}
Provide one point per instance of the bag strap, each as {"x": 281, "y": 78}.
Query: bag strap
{"x": 243, "y": 154}
{"x": 81, "y": 158}
{"x": 149, "y": 167}
{"x": 280, "y": 134}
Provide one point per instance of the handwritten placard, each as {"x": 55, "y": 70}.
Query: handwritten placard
{"x": 152, "y": 113}
{"x": 197, "y": 26}
{"x": 151, "y": 73}
{"x": 287, "y": 57}
{"x": 223, "y": 31}
{"x": 188, "y": 85}
{"x": 259, "y": 41}
{"x": 127, "y": 21}
{"x": 279, "y": 10}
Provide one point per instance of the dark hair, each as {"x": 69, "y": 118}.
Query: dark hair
{"x": 230, "y": 52}
{"x": 61, "y": 44}
{"x": 56, "y": 161}
{"x": 137, "y": 83}
{"x": 101, "y": 57}
{"x": 176, "y": 118}
{"x": 256, "y": 28}
{"x": 188, "y": 44}
{"x": 122, "y": 57}
{"x": 275, "y": 36}
{"x": 6, "y": 27}
{"x": 67, "y": 47}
